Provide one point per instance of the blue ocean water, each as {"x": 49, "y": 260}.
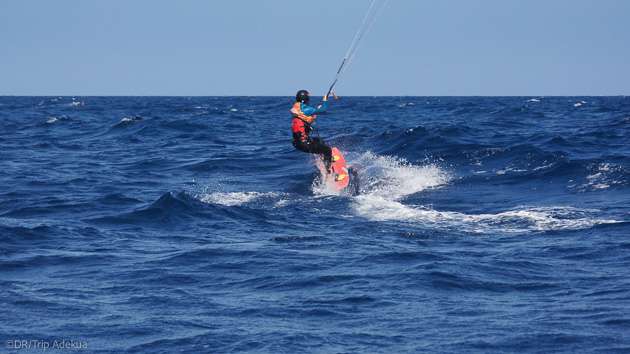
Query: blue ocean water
{"x": 167, "y": 224}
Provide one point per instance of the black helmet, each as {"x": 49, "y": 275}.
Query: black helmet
{"x": 303, "y": 96}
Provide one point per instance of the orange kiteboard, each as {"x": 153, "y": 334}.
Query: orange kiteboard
{"x": 339, "y": 178}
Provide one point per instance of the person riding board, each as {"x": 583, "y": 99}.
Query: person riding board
{"x": 303, "y": 116}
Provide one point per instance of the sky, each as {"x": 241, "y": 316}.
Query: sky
{"x": 277, "y": 47}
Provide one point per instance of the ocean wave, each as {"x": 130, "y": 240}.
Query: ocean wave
{"x": 130, "y": 120}
{"x": 56, "y": 119}
{"x": 602, "y": 176}
{"x": 520, "y": 220}
{"x": 239, "y": 198}
{"x": 386, "y": 183}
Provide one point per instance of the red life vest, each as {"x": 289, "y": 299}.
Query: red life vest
{"x": 301, "y": 123}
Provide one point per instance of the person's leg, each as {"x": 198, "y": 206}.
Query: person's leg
{"x": 318, "y": 140}
{"x": 315, "y": 147}
{"x": 318, "y": 148}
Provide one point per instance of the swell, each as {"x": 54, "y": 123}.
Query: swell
{"x": 172, "y": 219}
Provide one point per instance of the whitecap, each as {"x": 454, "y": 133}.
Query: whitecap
{"x": 579, "y": 104}
{"x": 56, "y": 119}
{"x": 519, "y": 220}
{"x": 510, "y": 170}
{"x": 131, "y": 119}
{"x": 387, "y": 183}
{"x": 603, "y": 176}
{"x": 235, "y": 198}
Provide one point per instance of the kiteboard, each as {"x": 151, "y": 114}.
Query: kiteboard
{"x": 340, "y": 177}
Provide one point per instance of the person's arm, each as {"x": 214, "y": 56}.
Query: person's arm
{"x": 309, "y": 111}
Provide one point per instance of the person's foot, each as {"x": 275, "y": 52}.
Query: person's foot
{"x": 328, "y": 163}
{"x": 328, "y": 168}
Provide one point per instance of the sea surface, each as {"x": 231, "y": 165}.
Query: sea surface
{"x": 191, "y": 224}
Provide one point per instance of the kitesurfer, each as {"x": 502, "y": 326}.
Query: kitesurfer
{"x": 303, "y": 116}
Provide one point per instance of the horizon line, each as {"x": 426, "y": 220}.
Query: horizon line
{"x": 520, "y": 95}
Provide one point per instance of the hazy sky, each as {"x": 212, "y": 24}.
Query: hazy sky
{"x": 276, "y": 47}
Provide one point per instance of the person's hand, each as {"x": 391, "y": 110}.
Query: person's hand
{"x": 325, "y": 98}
